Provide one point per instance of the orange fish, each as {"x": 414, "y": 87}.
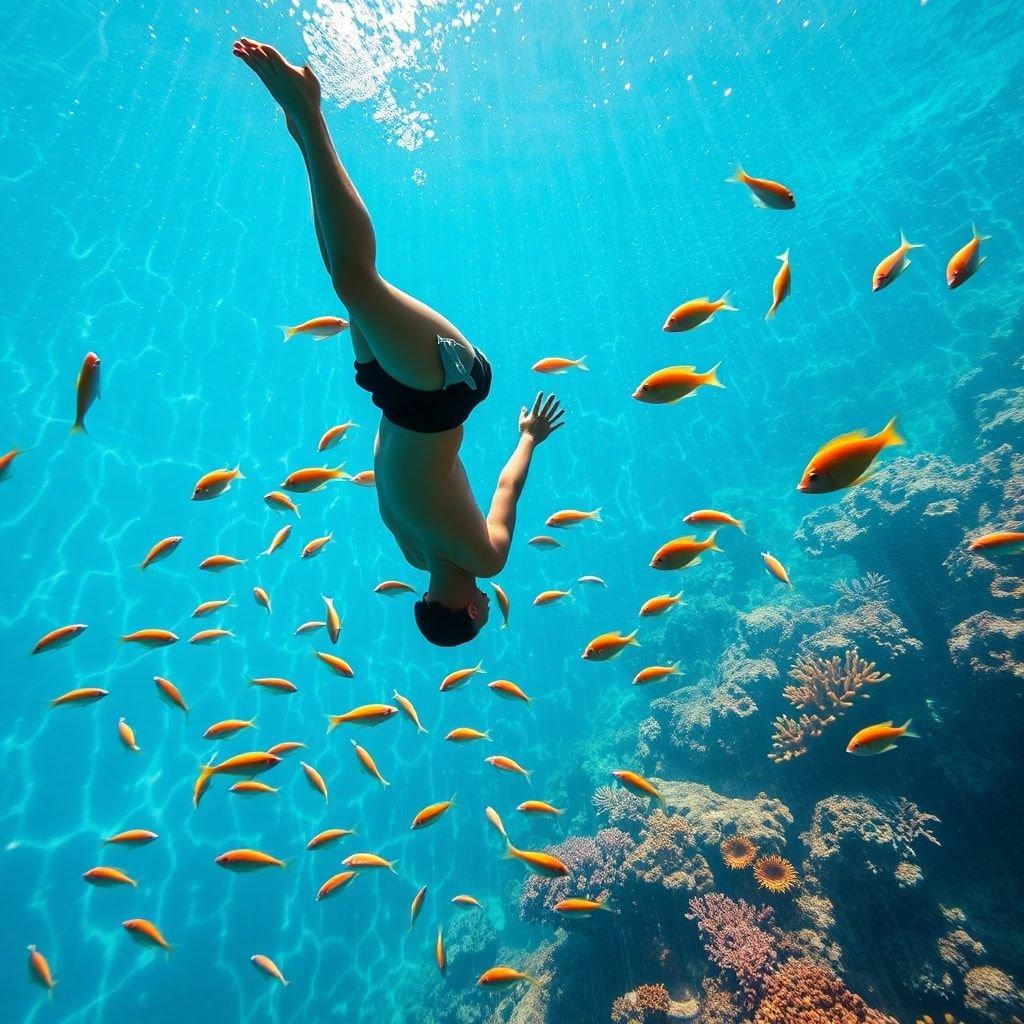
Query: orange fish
{"x": 368, "y": 764}
{"x": 150, "y": 638}
{"x": 439, "y": 952}
{"x": 609, "y": 645}
{"x": 133, "y": 837}
{"x": 463, "y": 900}
{"x": 464, "y": 735}
{"x": 660, "y": 604}
{"x": 458, "y": 678}
{"x": 965, "y": 262}
{"x": 279, "y": 502}
{"x": 218, "y": 563}
{"x": 39, "y": 970}
{"x": 315, "y": 779}
{"x": 170, "y": 694}
{"x": 146, "y": 933}
{"x": 285, "y": 748}
{"x": 127, "y": 736}
{"x": 103, "y": 876}
{"x": 503, "y": 603}
{"x": 209, "y": 636}
{"x": 639, "y": 785}
{"x": 334, "y": 884}
{"x": 845, "y": 460}
{"x": 309, "y": 627}
{"x": 316, "y": 545}
{"x": 209, "y": 607}
{"x": 244, "y": 860}
{"x": 495, "y": 819}
{"x": 267, "y": 966}
{"x": 82, "y": 696}
{"x": 314, "y": 478}
{"x": 318, "y": 328}
{"x": 538, "y": 807}
{"x": 431, "y": 814}
{"x": 262, "y": 598}
{"x": 539, "y": 863}
{"x": 696, "y": 313}
{"x": 7, "y": 460}
{"x": 877, "y": 739}
{"x": 252, "y": 787}
{"x": 160, "y": 550}
{"x": 1008, "y": 542}
{"x": 253, "y": 762}
{"x": 328, "y": 837}
{"x": 365, "y": 714}
{"x": 506, "y": 764}
{"x": 507, "y": 690}
{"x": 572, "y": 517}
{"x": 780, "y": 286}
{"x": 544, "y": 542}
{"x": 392, "y": 588}
{"x": 274, "y": 683}
{"x": 228, "y": 727}
{"x": 776, "y": 568}
{"x": 87, "y": 390}
{"x": 502, "y": 977}
{"x": 550, "y": 597}
{"x": 712, "y": 517}
{"x": 339, "y": 666}
{"x": 410, "y": 711}
{"x": 893, "y": 265}
{"x": 683, "y": 551}
{"x": 559, "y": 365}
{"x": 655, "y": 673}
{"x": 279, "y": 538}
{"x": 416, "y": 906}
{"x": 333, "y": 435}
{"x": 578, "y": 907}
{"x": 369, "y": 860}
{"x": 366, "y": 478}
{"x": 58, "y": 638}
{"x": 215, "y": 483}
{"x": 333, "y": 620}
{"x": 674, "y": 383}
{"x": 764, "y": 192}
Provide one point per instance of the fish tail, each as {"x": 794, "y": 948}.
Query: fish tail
{"x": 332, "y": 724}
{"x": 581, "y": 364}
{"x": 975, "y": 235}
{"x": 531, "y": 979}
{"x": 339, "y": 471}
{"x": 675, "y": 669}
{"x": 741, "y": 526}
{"x": 78, "y": 427}
{"x": 783, "y": 256}
{"x": 529, "y": 776}
{"x": 238, "y": 472}
{"x": 907, "y": 731}
{"x": 596, "y": 515}
{"x": 891, "y": 435}
{"x": 510, "y": 851}
{"x": 904, "y": 244}
{"x": 419, "y": 728}
{"x": 723, "y": 303}
{"x": 711, "y": 377}
{"x": 712, "y": 546}
{"x": 770, "y": 315}
{"x": 631, "y": 638}
{"x": 738, "y": 176}
{"x": 288, "y": 332}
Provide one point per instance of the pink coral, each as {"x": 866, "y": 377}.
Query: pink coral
{"x": 646, "y": 1004}
{"x": 801, "y": 992}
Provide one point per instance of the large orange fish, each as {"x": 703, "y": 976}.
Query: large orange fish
{"x": 464, "y": 734}
{"x": 712, "y": 517}
{"x": 334, "y": 884}
{"x": 544, "y": 542}
{"x": 845, "y": 460}
{"x": 333, "y": 435}
{"x": 572, "y": 517}
{"x": 314, "y": 478}
{"x": 215, "y": 483}
{"x": 209, "y": 636}
{"x": 160, "y": 550}
{"x": 275, "y": 684}
{"x": 780, "y": 286}
{"x": 893, "y": 265}
{"x": 459, "y": 677}
{"x": 127, "y": 736}
{"x": 506, "y": 764}
{"x": 416, "y": 906}
{"x": 546, "y": 597}
{"x": 965, "y": 262}
{"x": 218, "y": 563}
{"x": 639, "y": 785}
{"x": 609, "y": 645}
{"x": 80, "y": 696}
{"x": 369, "y": 860}
{"x": 764, "y": 192}
{"x": 462, "y": 900}
{"x": 877, "y": 739}
{"x": 539, "y": 807}
{"x": 318, "y": 328}
{"x": 146, "y": 933}
{"x": 253, "y": 787}
{"x": 1004, "y": 542}
{"x": 59, "y": 637}
{"x": 316, "y": 545}
{"x": 279, "y": 538}
{"x": 660, "y": 604}
{"x": 364, "y": 478}
{"x": 696, "y": 313}
{"x": 279, "y": 502}
{"x": 674, "y": 383}
{"x": 106, "y": 876}
{"x": 431, "y": 814}
{"x": 209, "y": 607}
{"x": 683, "y": 552}
{"x": 508, "y": 690}
{"x": 262, "y": 598}
{"x": 392, "y": 588}
{"x": 495, "y": 819}
{"x": 539, "y": 863}
{"x": 776, "y": 568}
{"x": 365, "y": 715}
{"x": 333, "y": 619}
{"x": 410, "y": 711}
{"x": 328, "y": 836}
{"x": 655, "y": 673}
{"x": 133, "y": 837}
{"x": 87, "y": 390}
{"x": 170, "y": 694}
{"x": 150, "y": 638}
{"x": 339, "y": 666}
{"x": 245, "y": 860}
{"x": 228, "y": 727}
{"x": 502, "y": 977}
{"x": 579, "y": 907}
{"x": 439, "y": 952}
{"x": 285, "y": 748}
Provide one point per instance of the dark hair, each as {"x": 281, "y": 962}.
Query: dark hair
{"x": 443, "y": 626}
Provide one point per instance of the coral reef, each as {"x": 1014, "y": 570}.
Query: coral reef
{"x": 738, "y": 852}
{"x": 990, "y": 643}
{"x": 646, "y": 1004}
{"x": 713, "y": 817}
{"x": 666, "y": 856}
{"x": 992, "y": 993}
{"x": 619, "y": 805}
{"x": 775, "y": 873}
{"x": 802, "y": 992}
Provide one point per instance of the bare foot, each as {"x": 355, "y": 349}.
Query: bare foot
{"x": 296, "y": 89}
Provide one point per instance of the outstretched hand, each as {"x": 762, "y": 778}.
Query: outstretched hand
{"x": 543, "y": 420}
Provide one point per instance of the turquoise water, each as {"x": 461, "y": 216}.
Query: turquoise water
{"x": 552, "y": 179}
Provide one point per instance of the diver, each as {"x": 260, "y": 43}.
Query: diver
{"x": 422, "y": 374}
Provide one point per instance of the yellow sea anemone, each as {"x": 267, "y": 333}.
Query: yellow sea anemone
{"x": 738, "y": 852}
{"x": 775, "y": 873}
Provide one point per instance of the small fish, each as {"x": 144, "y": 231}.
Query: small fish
{"x": 81, "y": 696}
{"x": 369, "y": 860}
{"x": 209, "y": 607}
{"x": 546, "y": 864}
{"x": 133, "y": 837}
{"x": 215, "y": 483}
{"x": 539, "y": 807}
{"x": 464, "y": 734}
{"x": 845, "y": 460}
{"x": 431, "y": 814}
{"x": 333, "y": 435}
{"x": 39, "y": 970}
{"x": 318, "y": 328}
{"x": 150, "y": 638}
{"x": 279, "y": 502}
{"x": 712, "y": 517}
{"x": 572, "y": 517}
{"x": 655, "y": 673}
{"x": 218, "y": 563}
{"x": 275, "y": 684}
{"x": 674, "y": 383}
{"x": 58, "y": 638}
{"x": 502, "y": 977}
{"x": 592, "y": 581}
{"x": 146, "y": 933}
{"x": 160, "y": 550}
{"x": 252, "y": 787}
{"x": 368, "y": 764}
{"x": 506, "y": 764}
{"x": 392, "y": 588}
{"x": 410, "y": 711}
{"x": 315, "y": 478}
{"x": 309, "y": 627}
{"x": 333, "y": 620}
{"x": 228, "y": 727}
{"x": 316, "y": 545}
{"x": 696, "y": 313}
{"x": 458, "y": 678}
{"x": 776, "y": 568}
{"x": 245, "y": 860}
{"x": 262, "y": 598}
{"x": 209, "y": 636}
{"x": 439, "y": 952}
{"x": 279, "y": 538}
{"x": 609, "y": 645}
{"x": 550, "y": 597}
{"x": 127, "y": 736}
{"x": 7, "y": 460}
{"x": 87, "y": 390}
{"x": 267, "y": 966}
{"x": 559, "y": 364}
{"x": 965, "y": 262}
{"x": 365, "y": 478}
{"x": 877, "y": 739}
{"x": 893, "y": 265}
{"x": 780, "y": 286}
{"x": 764, "y": 192}
{"x": 252, "y": 762}
{"x": 416, "y": 906}
{"x": 578, "y": 907}
{"x": 315, "y": 779}
{"x": 328, "y": 837}
{"x": 339, "y": 666}
{"x": 495, "y": 819}
{"x": 334, "y": 884}
{"x": 544, "y": 542}
{"x": 105, "y": 876}
{"x": 1003, "y": 542}
{"x": 170, "y": 694}
{"x": 508, "y": 690}
{"x": 365, "y": 715}
{"x": 286, "y": 747}
{"x": 683, "y": 551}
{"x": 660, "y": 604}
{"x": 639, "y": 785}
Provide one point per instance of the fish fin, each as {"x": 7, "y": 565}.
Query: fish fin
{"x": 770, "y": 315}
{"x": 891, "y": 435}
{"x": 674, "y": 669}
{"x": 783, "y": 256}
{"x": 78, "y": 427}
{"x": 907, "y": 731}
{"x": 723, "y": 303}
{"x": 974, "y": 234}
{"x": 288, "y": 332}
{"x": 529, "y": 776}
{"x": 983, "y": 258}
{"x": 711, "y": 377}
{"x": 631, "y": 637}
{"x": 865, "y": 476}
{"x": 581, "y": 365}
{"x": 238, "y": 472}
{"x": 532, "y": 980}
{"x": 758, "y": 201}
{"x": 889, "y": 749}
{"x": 712, "y": 546}
{"x": 331, "y": 725}
{"x": 595, "y": 516}
{"x": 741, "y": 526}
{"x": 510, "y": 850}
{"x": 909, "y": 245}
{"x": 692, "y": 562}
{"x": 737, "y": 177}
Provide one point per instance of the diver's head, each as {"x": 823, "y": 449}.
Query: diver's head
{"x": 453, "y": 610}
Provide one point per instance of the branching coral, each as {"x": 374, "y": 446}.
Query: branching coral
{"x": 802, "y": 992}
{"x": 647, "y": 1004}
{"x": 872, "y": 586}
{"x": 667, "y": 856}
{"x": 619, "y": 805}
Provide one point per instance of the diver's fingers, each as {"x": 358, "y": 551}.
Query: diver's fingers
{"x": 555, "y": 426}
{"x": 557, "y": 417}
{"x": 548, "y": 405}
{"x": 536, "y": 403}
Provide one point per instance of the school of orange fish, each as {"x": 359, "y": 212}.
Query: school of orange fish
{"x": 843, "y": 462}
